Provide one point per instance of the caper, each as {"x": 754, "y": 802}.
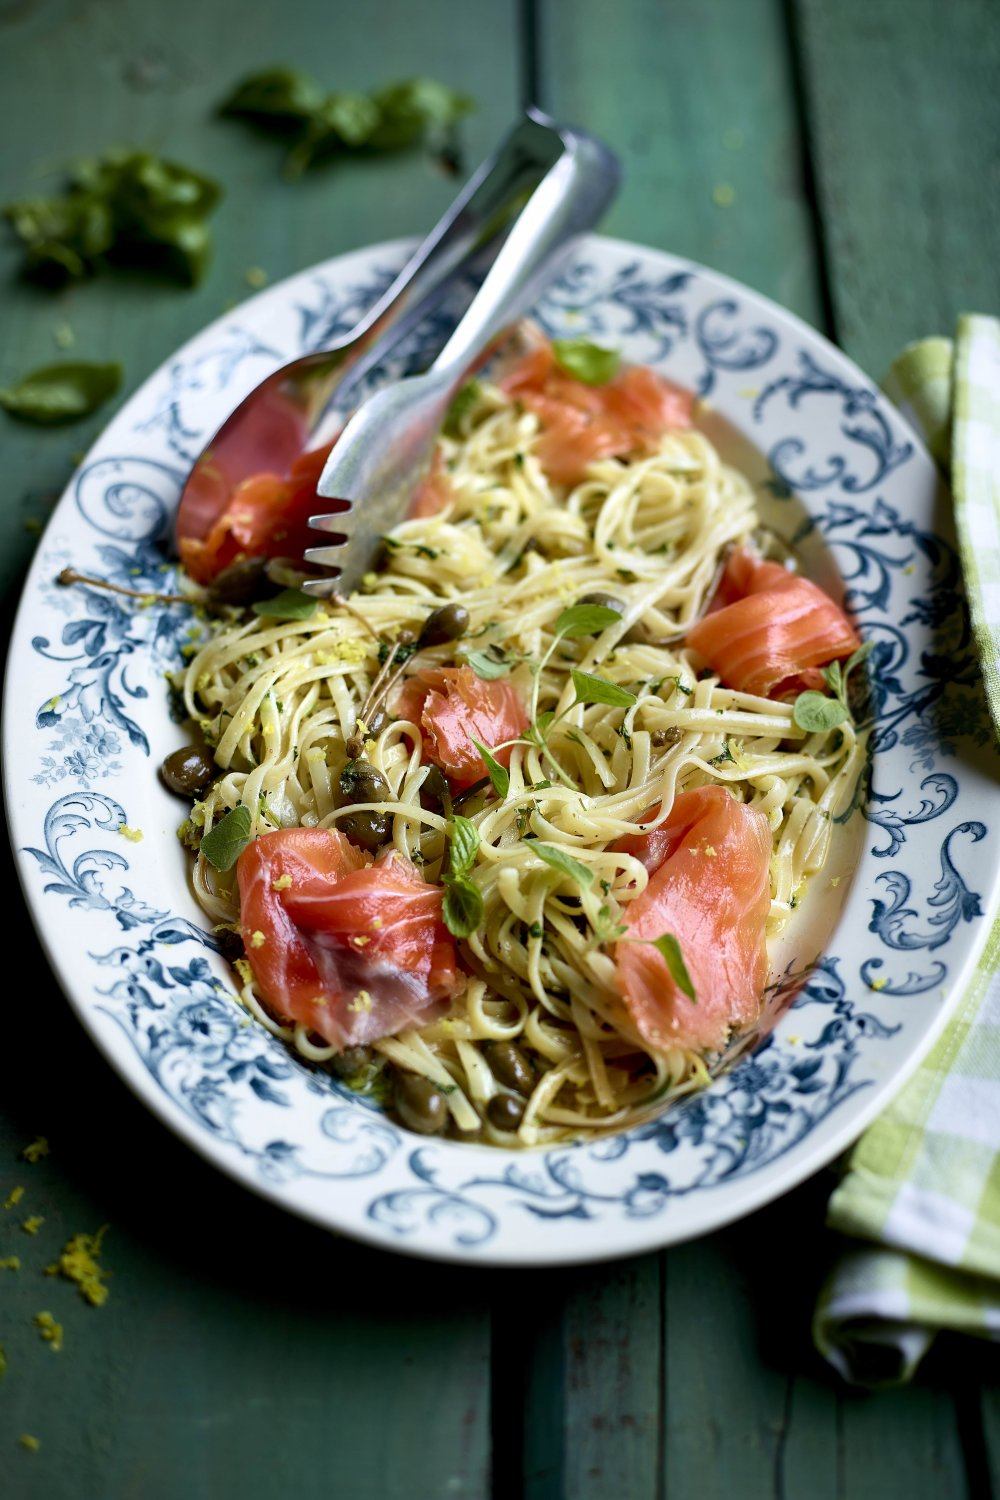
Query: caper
{"x": 605, "y": 601}
{"x": 189, "y": 771}
{"x": 420, "y": 1105}
{"x": 504, "y": 1112}
{"x": 241, "y": 583}
{"x": 435, "y": 791}
{"x": 449, "y": 623}
{"x": 229, "y": 943}
{"x": 351, "y": 1061}
{"x": 360, "y": 782}
{"x": 369, "y": 830}
{"x": 663, "y": 737}
{"x": 511, "y": 1067}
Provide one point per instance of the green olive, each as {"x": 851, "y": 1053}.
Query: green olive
{"x": 449, "y": 623}
{"x": 420, "y": 1105}
{"x": 504, "y": 1112}
{"x": 369, "y": 830}
{"x": 360, "y": 782}
{"x": 606, "y": 601}
{"x": 189, "y": 771}
{"x": 241, "y": 583}
{"x": 660, "y": 738}
{"x": 511, "y": 1067}
{"x": 351, "y": 1061}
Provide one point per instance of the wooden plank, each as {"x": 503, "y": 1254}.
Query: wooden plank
{"x": 905, "y": 114}
{"x": 240, "y": 1352}
{"x": 698, "y": 98}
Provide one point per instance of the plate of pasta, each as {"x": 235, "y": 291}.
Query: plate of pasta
{"x": 595, "y": 871}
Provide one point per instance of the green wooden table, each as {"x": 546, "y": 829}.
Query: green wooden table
{"x": 244, "y": 1354}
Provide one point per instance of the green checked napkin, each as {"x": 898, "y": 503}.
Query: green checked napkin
{"x": 922, "y": 1187}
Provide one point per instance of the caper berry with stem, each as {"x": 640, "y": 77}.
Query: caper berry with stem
{"x": 504, "y": 1112}
{"x": 189, "y": 771}
{"x": 374, "y": 724}
{"x": 419, "y": 1105}
{"x": 509, "y": 1064}
{"x": 449, "y": 623}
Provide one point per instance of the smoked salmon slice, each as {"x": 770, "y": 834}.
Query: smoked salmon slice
{"x": 769, "y": 631}
{"x": 352, "y": 949}
{"x": 454, "y": 707}
{"x": 710, "y": 889}
{"x": 264, "y": 516}
{"x": 582, "y": 423}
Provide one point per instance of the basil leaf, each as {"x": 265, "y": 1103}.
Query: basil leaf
{"x": 225, "y": 841}
{"x": 598, "y": 690}
{"x": 834, "y": 679}
{"x": 497, "y": 773}
{"x": 462, "y": 402}
{"x": 127, "y": 207}
{"x": 61, "y": 393}
{"x": 585, "y": 619}
{"x": 342, "y": 121}
{"x": 409, "y": 110}
{"x": 462, "y": 907}
{"x": 586, "y": 361}
{"x": 290, "y": 604}
{"x": 564, "y": 863}
{"x": 463, "y": 846}
{"x": 489, "y": 668}
{"x": 816, "y": 713}
{"x": 275, "y": 94}
{"x": 670, "y": 948}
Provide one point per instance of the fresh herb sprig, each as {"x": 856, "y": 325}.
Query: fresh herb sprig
{"x": 463, "y": 900}
{"x": 321, "y": 124}
{"x": 816, "y": 712}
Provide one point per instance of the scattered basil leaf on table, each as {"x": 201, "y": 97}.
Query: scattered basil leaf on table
{"x": 498, "y": 775}
{"x": 125, "y": 207}
{"x": 290, "y": 604}
{"x": 226, "y": 840}
{"x": 586, "y": 361}
{"x": 61, "y": 393}
{"x": 590, "y": 689}
{"x": 670, "y": 948}
{"x": 326, "y": 124}
{"x": 564, "y": 863}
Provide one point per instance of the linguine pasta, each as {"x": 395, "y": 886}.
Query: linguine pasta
{"x": 279, "y": 700}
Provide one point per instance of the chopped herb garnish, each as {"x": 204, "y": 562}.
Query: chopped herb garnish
{"x": 61, "y": 393}
{"x": 591, "y": 689}
{"x": 586, "y": 361}
{"x": 564, "y": 863}
{"x": 462, "y": 403}
{"x": 487, "y": 665}
{"x": 670, "y": 948}
{"x": 498, "y": 775}
{"x": 226, "y": 840}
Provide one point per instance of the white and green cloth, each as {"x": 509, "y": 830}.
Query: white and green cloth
{"x": 921, "y": 1189}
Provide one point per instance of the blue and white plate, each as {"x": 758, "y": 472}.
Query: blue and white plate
{"x": 87, "y": 723}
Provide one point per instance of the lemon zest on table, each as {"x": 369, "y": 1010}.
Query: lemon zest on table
{"x": 78, "y": 1263}
{"x": 50, "y": 1330}
{"x": 38, "y": 1148}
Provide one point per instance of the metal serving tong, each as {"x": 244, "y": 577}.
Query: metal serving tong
{"x": 282, "y": 416}
{"x": 386, "y": 446}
